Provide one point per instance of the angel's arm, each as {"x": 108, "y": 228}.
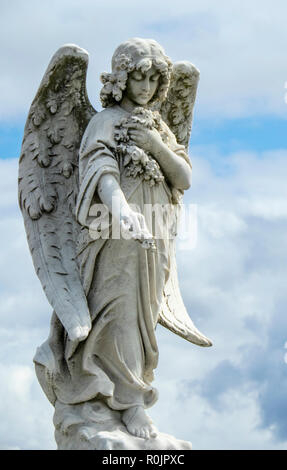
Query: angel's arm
{"x": 110, "y": 193}
{"x": 176, "y": 169}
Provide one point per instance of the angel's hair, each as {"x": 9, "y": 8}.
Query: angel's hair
{"x": 135, "y": 54}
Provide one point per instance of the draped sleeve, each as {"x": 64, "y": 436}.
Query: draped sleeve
{"x": 170, "y": 139}
{"x": 97, "y": 156}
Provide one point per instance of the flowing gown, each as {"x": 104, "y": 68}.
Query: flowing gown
{"x": 124, "y": 284}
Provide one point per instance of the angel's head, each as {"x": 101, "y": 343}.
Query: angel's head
{"x": 140, "y": 70}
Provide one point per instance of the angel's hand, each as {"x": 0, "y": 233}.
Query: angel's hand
{"x": 79, "y": 333}
{"x": 147, "y": 139}
{"x": 133, "y": 224}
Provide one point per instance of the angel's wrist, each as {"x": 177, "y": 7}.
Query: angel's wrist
{"x": 125, "y": 209}
{"x": 158, "y": 150}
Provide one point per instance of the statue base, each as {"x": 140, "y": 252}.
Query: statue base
{"x": 94, "y": 426}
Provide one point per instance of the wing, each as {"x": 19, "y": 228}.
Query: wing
{"x": 177, "y": 109}
{"x": 177, "y": 112}
{"x": 48, "y": 181}
{"x": 173, "y": 313}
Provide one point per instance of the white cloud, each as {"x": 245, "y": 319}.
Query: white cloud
{"x": 235, "y": 426}
{"x": 221, "y": 223}
{"x": 239, "y": 48}
{"x": 232, "y": 283}
{"x": 26, "y": 417}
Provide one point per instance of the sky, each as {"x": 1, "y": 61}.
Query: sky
{"x": 233, "y": 280}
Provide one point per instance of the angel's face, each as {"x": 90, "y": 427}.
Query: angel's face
{"x": 141, "y": 86}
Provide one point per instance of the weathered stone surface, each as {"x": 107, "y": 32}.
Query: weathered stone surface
{"x": 108, "y": 292}
{"x": 94, "y": 426}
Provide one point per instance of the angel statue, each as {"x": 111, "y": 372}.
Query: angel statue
{"x": 108, "y": 292}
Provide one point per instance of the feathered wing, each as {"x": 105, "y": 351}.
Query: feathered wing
{"x": 177, "y": 109}
{"x": 177, "y": 112}
{"x": 173, "y": 313}
{"x": 48, "y": 181}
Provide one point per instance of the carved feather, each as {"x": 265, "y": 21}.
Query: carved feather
{"x": 177, "y": 109}
{"x": 48, "y": 181}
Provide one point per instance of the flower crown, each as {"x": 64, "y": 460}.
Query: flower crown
{"x": 115, "y": 82}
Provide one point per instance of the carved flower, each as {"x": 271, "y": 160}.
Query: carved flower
{"x": 122, "y": 149}
{"x": 123, "y": 62}
{"x": 136, "y": 153}
{"x": 121, "y": 134}
{"x": 127, "y": 159}
{"x": 146, "y": 176}
{"x": 106, "y": 77}
{"x": 135, "y": 159}
{"x": 108, "y": 87}
{"x": 135, "y": 170}
{"x": 121, "y": 80}
{"x": 117, "y": 93}
{"x": 144, "y": 159}
{"x": 144, "y": 117}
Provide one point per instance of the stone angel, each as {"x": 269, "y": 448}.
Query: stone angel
{"x": 108, "y": 293}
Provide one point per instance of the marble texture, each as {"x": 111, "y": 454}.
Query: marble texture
{"x": 94, "y": 426}
{"x": 108, "y": 293}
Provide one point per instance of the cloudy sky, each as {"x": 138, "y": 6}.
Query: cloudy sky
{"x": 233, "y": 395}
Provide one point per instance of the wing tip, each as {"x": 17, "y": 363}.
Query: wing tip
{"x": 207, "y": 343}
{"x": 71, "y": 49}
{"x": 200, "y": 340}
{"x": 196, "y": 337}
{"x": 184, "y": 66}
{"x": 67, "y": 50}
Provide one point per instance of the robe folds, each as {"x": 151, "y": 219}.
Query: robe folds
{"x": 124, "y": 284}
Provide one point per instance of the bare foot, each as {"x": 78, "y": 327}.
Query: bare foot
{"x": 138, "y": 423}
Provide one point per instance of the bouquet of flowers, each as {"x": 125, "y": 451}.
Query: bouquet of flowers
{"x": 138, "y": 162}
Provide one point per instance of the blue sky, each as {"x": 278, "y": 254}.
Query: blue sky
{"x": 225, "y": 136}
{"x": 234, "y": 280}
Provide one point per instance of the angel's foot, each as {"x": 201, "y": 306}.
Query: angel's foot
{"x": 138, "y": 423}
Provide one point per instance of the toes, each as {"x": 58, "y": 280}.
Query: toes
{"x": 140, "y": 432}
{"x": 133, "y": 431}
{"x": 153, "y": 432}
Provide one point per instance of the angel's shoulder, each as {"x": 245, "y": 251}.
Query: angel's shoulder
{"x": 106, "y": 117}
{"x": 101, "y": 127}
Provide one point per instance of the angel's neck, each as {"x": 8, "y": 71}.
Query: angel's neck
{"x": 128, "y": 105}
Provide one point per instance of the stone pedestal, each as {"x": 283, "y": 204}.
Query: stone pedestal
{"x": 93, "y": 426}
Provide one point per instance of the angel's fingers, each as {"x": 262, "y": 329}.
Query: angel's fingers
{"x": 143, "y": 227}
{"x": 136, "y": 224}
{"x": 142, "y": 222}
{"x": 127, "y": 223}
{"x": 135, "y": 134}
{"x": 134, "y": 125}
{"x": 126, "y": 226}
